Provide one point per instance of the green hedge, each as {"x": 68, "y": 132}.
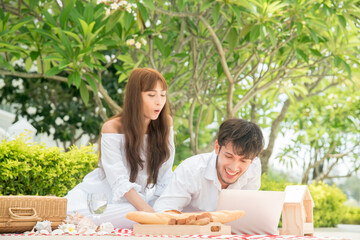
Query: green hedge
{"x": 352, "y": 215}
{"x": 329, "y": 204}
{"x": 329, "y": 200}
{"x": 33, "y": 169}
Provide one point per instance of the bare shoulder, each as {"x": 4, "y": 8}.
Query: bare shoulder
{"x": 112, "y": 126}
{"x": 170, "y": 120}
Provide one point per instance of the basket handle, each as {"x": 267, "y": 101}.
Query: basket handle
{"x": 16, "y": 217}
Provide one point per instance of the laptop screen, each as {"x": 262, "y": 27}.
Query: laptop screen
{"x": 262, "y": 210}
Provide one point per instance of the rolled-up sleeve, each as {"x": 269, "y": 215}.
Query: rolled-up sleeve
{"x": 178, "y": 193}
{"x": 116, "y": 172}
{"x": 165, "y": 171}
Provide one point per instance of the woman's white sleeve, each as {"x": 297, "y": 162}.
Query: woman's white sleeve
{"x": 117, "y": 173}
{"x": 165, "y": 171}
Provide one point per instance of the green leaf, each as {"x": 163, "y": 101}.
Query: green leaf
{"x": 232, "y": 39}
{"x": 347, "y": 68}
{"x": 128, "y": 20}
{"x": 125, "y": 59}
{"x": 301, "y": 55}
{"x": 180, "y": 4}
{"x": 342, "y": 20}
{"x": 255, "y": 33}
{"x": 219, "y": 69}
{"x": 74, "y": 78}
{"x": 160, "y": 45}
{"x": 216, "y": 12}
{"x": 91, "y": 82}
{"x": 64, "y": 16}
{"x": 272, "y": 37}
{"x": 112, "y": 20}
{"x": 205, "y": 5}
{"x": 53, "y": 71}
{"x": 34, "y": 55}
{"x": 33, "y": 3}
{"x": 237, "y": 13}
{"x": 122, "y": 77}
{"x": 84, "y": 92}
{"x": 315, "y": 52}
{"x": 337, "y": 61}
{"x": 28, "y": 64}
{"x": 143, "y": 12}
{"x": 49, "y": 19}
{"x": 149, "y": 4}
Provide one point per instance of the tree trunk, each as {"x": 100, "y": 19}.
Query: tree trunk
{"x": 266, "y": 154}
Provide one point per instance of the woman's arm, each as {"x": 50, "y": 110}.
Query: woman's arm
{"x": 134, "y": 198}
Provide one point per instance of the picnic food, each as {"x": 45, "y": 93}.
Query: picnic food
{"x": 190, "y": 218}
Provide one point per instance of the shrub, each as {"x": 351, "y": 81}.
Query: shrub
{"x": 329, "y": 204}
{"x": 352, "y": 215}
{"x": 33, "y": 169}
{"x": 329, "y": 200}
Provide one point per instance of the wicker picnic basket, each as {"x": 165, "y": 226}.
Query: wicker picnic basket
{"x": 21, "y": 213}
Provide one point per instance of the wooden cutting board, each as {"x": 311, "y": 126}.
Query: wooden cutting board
{"x": 212, "y": 228}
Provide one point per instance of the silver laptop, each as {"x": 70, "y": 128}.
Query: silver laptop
{"x": 262, "y": 210}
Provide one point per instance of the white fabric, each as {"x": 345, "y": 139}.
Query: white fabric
{"x": 113, "y": 180}
{"x": 196, "y": 187}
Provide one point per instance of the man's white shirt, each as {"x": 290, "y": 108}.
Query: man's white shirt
{"x": 196, "y": 187}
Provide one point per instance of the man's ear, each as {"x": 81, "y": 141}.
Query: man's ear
{"x": 217, "y": 147}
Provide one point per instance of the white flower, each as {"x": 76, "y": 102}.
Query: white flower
{"x": 99, "y": 1}
{"x": 31, "y": 110}
{"x": 66, "y": 118}
{"x": 160, "y": 36}
{"x": 108, "y": 58}
{"x": 143, "y": 41}
{"x": 19, "y": 62}
{"x": 18, "y": 83}
{"x": 130, "y": 42}
{"x": 120, "y": 91}
{"x": 107, "y": 11}
{"x": 100, "y": 95}
{"x": 33, "y": 67}
{"x": 68, "y": 228}
{"x": 2, "y": 83}
{"x": 74, "y": 99}
{"x": 138, "y": 45}
{"x": 186, "y": 63}
{"x": 147, "y": 23}
{"x": 128, "y": 8}
{"x": 158, "y": 22}
{"x": 52, "y": 106}
{"x": 167, "y": 3}
{"x": 114, "y": 6}
{"x": 59, "y": 121}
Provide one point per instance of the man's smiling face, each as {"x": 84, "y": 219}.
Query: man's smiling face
{"x": 229, "y": 165}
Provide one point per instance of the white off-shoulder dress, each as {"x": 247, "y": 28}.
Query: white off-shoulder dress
{"x": 113, "y": 180}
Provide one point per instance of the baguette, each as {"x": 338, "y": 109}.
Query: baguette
{"x": 177, "y": 218}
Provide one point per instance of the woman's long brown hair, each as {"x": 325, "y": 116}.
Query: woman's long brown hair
{"x": 132, "y": 121}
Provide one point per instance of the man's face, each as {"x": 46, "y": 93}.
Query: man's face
{"x": 229, "y": 166}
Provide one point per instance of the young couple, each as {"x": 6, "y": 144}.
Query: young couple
{"x": 137, "y": 155}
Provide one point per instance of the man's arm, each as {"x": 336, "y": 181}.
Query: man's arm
{"x": 178, "y": 193}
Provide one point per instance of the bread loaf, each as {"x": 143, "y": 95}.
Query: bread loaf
{"x": 193, "y": 218}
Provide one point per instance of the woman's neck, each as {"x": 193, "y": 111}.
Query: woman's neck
{"x": 147, "y": 122}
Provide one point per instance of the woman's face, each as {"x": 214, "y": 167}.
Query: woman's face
{"x": 153, "y": 101}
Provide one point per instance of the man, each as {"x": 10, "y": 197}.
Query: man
{"x": 198, "y": 180}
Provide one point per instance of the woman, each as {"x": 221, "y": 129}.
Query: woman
{"x": 136, "y": 152}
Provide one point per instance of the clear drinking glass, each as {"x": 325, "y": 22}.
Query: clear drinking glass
{"x": 97, "y": 203}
